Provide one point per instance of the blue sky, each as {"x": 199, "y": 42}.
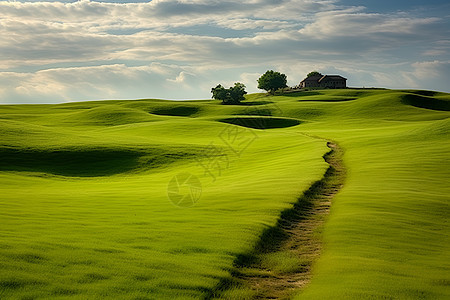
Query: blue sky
{"x": 60, "y": 51}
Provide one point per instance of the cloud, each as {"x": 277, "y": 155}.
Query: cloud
{"x": 432, "y": 74}
{"x": 83, "y": 83}
{"x": 358, "y": 25}
{"x": 160, "y": 10}
{"x": 115, "y": 81}
{"x": 60, "y": 51}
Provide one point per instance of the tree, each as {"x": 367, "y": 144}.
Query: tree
{"x": 272, "y": 81}
{"x": 232, "y": 95}
{"x": 237, "y": 92}
{"x": 313, "y": 73}
{"x": 219, "y": 93}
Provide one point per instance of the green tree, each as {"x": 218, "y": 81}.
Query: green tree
{"x": 219, "y": 93}
{"x": 271, "y": 81}
{"x": 313, "y": 73}
{"x": 232, "y": 95}
{"x": 237, "y": 92}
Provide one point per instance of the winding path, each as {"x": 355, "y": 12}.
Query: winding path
{"x": 296, "y": 235}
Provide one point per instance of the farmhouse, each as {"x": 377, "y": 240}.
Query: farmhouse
{"x": 324, "y": 81}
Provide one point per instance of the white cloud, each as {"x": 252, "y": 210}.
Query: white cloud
{"x": 357, "y": 24}
{"x": 179, "y": 49}
{"x": 432, "y": 74}
{"x": 116, "y": 81}
{"x": 241, "y": 24}
{"x": 100, "y": 82}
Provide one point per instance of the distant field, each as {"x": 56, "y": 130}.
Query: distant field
{"x": 88, "y": 208}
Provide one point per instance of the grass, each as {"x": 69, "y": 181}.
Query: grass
{"x": 280, "y": 263}
{"x": 84, "y": 211}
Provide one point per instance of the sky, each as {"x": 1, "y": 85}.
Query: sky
{"x": 62, "y": 51}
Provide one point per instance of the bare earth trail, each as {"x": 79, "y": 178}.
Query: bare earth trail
{"x": 296, "y": 237}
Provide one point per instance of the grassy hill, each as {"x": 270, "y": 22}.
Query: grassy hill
{"x": 89, "y": 206}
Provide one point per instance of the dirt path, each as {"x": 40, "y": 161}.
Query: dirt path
{"x": 280, "y": 264}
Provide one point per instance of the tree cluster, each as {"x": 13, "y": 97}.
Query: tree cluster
{"x": 270, "y": 81}
{"x": 232, "y": 95}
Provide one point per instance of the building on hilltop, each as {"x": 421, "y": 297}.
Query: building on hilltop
{"x": 324, "y": 81}
{"x": 311, "y": 81}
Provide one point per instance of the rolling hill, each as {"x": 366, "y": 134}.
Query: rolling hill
{"x": 153, "y": 199}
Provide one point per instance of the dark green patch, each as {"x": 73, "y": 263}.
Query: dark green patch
{"x": 329, "y": 99}
{"x": 92, "y": 277}
{"x": 83, "y": 262}
{"x": 85, "y": 162}
{"x": 29, "y": 257}
{"x": 422, "y": 93}
{"x": 189, "y": 250}
{"x": 69, "y": 162}
{"x": 261, "y": 122}
{"x": 425, "y": 102}
{"x": 256, "y": 112}
{"x": 109, "y": 250}
{"x": 142, "y": 247}
{"x": 17, "y": 283}
{"x": 180, "y": 111}
{"x": 65, "y": 291}
{"x": 302, "y": 94}
{"x": 12, "y": 284}
{"x": 442, "y": 282}
{"x": 245, "y": 259}
{"x": 143, "y": 277}
{"x": 309, "y": 112}
{"x": 255, "y": 103}
{"x": 270, "y": 239}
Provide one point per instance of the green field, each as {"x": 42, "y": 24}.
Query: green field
{"x": 87, "y": 200}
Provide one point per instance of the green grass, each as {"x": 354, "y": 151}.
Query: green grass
{"x": 84, "y": 211}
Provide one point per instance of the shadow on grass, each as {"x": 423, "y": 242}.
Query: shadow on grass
{"x": 261, "y": 122}
{"x": 179, "y": 111}
{"x": 422, "y": 93}
{"x": 81, "y": 162}
{"x": 418, "y": 100}
{"x": 76, "y": 162}
{"x": 329, "y": 100}
{"x": 255, "y": 103}
{"x": 256, "y": 112}
{"x": 302, "y": 94}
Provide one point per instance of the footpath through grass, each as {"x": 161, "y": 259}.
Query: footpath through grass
{"x": 280, "y": 263}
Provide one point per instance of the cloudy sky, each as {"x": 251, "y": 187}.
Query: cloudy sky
{"x": 59, "y": 51}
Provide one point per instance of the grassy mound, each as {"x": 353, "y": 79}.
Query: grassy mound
{"x": 107, "y": 115}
